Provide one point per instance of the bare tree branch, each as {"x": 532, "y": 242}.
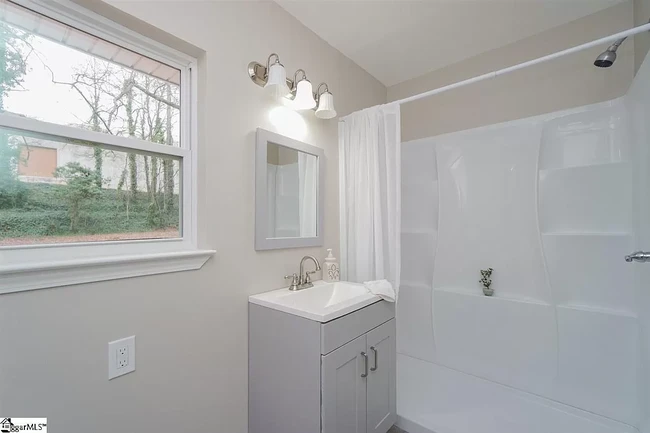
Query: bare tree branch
{"x": 156, "y": 97}
{"x": 74, "y": 86}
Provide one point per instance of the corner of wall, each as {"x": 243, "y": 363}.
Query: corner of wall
{"x": 641, "y": 41}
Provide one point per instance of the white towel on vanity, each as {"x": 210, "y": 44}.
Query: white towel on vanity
{"x": 383, "y": 289}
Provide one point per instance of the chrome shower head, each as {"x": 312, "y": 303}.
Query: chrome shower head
{"x": 607, "y": 58}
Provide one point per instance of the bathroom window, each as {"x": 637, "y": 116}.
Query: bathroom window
{"x": 96, "y": 145}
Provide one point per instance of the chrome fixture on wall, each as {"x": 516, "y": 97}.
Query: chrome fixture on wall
{"x": 273, "y": 77}
{"x": 639, "y": 256}
{"x": 608, "y": 57}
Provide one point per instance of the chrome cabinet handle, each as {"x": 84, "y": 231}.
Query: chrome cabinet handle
{"x": 639, "y": 256}
{"x": 365, "y": 364}
{"x": 375, "y": 352}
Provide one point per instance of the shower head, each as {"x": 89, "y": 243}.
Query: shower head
{"x": 607, "y": 58}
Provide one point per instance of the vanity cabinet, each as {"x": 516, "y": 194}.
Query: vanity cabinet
{"x": 311, "y": 377}
{"x": 358, "y": 384}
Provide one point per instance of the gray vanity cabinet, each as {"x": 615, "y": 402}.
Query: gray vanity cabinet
{"x": 381, "y": 378}
{"x": 358, "y": 383}
{"x": 344, "y": 389}
{"x": 311, "y": 377}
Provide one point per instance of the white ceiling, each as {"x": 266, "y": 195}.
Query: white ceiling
{"x": 396, "y": 40}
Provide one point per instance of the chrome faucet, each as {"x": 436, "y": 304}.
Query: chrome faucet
{"x": 639, "y": 256}
{"x": 303, "y": 281}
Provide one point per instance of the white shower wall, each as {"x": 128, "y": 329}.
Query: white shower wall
{"x": 548, "y": 203}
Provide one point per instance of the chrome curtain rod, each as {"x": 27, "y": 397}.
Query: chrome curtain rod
{"x": 602, "y": 41}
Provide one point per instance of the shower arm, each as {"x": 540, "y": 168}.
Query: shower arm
{"x": 616, "y": 45}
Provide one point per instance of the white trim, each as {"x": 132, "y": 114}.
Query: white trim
{"x": 262, "y": 241}
{"x": 30, "y": 267}
{"x": 188, "y": 175}
{"x": 14, "y": 255}
{"x": 194, "y": 134}
{"x": 82, "y": 19}
{"x": 64, "y": 273}
{"x": 69, "y": 133}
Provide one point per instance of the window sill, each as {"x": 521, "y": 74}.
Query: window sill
{"x": 64, "y": 273}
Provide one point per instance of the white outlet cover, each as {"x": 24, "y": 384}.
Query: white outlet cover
{"x": 121, "y": 357}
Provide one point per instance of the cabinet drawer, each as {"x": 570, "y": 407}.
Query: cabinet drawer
{"x": 339, "y": 331}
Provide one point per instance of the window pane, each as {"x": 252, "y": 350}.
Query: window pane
{"x": 61, "y": 75}
{"x": 53, "y": 191}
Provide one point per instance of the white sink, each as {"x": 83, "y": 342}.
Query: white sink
{"x": 322, "y": 303}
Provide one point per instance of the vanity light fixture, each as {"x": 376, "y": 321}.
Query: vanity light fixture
{"x": 273, "y": 78}
{"x": 325, "y": 100}
{"x": 276, "y": 78}
{"x": 304, "y": 97}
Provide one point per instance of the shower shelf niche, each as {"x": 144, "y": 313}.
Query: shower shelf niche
{"x": 595, "y": 135}
{"x": 494, "y": 298}
{"x": 420, "y": 231}
{"x": 597, "y": 166}
{"x": 595, "y": 234}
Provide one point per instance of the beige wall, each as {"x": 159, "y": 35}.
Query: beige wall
{"x": 568, "y": 82}
{"x": 642, "y": 40}
{"x": 191, "y": 327}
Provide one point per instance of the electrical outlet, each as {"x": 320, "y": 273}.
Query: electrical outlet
{"x": 121, "y": 357}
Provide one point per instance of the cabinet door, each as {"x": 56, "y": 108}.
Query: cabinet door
{"x": 344, "y": 388}
{"x": 381, "y": 378}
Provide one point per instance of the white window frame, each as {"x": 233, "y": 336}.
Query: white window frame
{"x": 32, "y": 267}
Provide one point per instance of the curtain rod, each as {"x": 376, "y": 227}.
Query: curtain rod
{"x": 493, "y": 74}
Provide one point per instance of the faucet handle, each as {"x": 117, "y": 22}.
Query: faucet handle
{"x": 295, "y": 281}
{"x": 307, "y": 276}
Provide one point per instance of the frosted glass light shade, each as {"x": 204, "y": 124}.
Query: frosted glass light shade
{"x": 304, "y": 99}
{"x": 276, "y": 84}
{"x": 326, "y": 106}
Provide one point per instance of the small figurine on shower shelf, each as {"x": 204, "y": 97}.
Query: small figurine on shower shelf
{"x": 486, "y": 280}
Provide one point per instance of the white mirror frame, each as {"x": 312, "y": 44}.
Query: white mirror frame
{"x": 262, "y": 241}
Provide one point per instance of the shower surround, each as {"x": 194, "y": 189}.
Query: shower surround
{"x": 548, "y": 203}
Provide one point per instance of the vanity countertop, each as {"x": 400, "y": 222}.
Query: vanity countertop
{"x": 321, "y": 303}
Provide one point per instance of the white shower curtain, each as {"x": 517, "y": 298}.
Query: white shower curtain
{"x": 370, "y": 196}
{"x": 308, "y": 194}
{"x": 271, "y": 197}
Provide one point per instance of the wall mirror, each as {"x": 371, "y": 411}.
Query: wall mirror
{"x": 289, "y": 179}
